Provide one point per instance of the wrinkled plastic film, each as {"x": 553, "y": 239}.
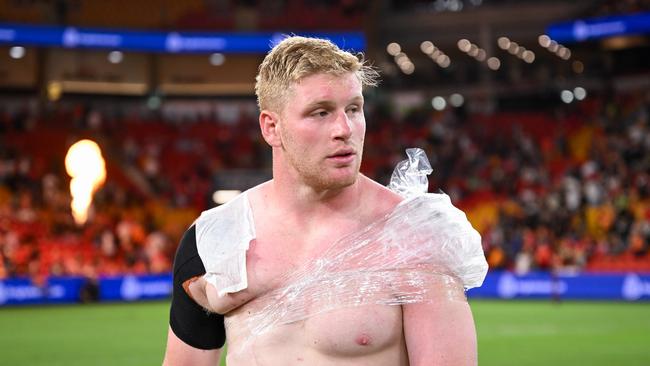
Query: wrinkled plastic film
{"x": 409, "y": 178}
{"x": 425, "y": 250}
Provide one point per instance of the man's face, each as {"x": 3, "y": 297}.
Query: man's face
{"x": 322, "y": 128}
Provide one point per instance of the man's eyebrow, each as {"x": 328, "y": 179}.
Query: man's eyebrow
{"x": 329, "y": 104}
{"x": 319, "y": 104}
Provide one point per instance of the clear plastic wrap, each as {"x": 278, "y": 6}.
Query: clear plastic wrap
{"x": 423, "y": 246}
{"x": 410, "y": 176}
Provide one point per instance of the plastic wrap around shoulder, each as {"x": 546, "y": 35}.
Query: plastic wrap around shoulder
{"x": 425, "y": 250}
{"x": 223, "y": 235}
{"x": 423, "y": 246}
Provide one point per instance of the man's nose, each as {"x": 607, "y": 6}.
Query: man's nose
{"x": 342, "y": 126}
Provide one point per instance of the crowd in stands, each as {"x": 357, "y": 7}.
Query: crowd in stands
{"x": 562, "y": 190}
{"x": 566, "y": 191}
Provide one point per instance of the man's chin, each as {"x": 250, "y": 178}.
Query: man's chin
{"x": 337, "y": 182}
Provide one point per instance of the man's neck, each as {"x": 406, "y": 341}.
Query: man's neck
{"x": 298, "y": 198}
{"x": 304, "y": 199}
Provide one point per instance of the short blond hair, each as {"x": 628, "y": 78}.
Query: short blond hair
{"x": 297, "y": 57}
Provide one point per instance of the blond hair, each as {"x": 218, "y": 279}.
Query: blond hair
{"x": 297, "y": 57}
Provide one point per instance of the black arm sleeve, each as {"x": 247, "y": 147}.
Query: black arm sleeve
{"x": 189, "y": 321}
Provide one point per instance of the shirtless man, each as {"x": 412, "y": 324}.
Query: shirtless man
{"x": 310, "y": 97}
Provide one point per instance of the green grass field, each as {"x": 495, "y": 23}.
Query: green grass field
{"x": 509, "y": 333}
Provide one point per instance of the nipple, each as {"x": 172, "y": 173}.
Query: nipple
{"x": 363, "y": 340}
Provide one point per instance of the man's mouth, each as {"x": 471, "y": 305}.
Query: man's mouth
{"x": 342, "y": 153}
{"x": 343, "y": 156}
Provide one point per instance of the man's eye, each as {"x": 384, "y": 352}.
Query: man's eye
{"x": 354, "y": 109}
{"x": 320, "y": 114}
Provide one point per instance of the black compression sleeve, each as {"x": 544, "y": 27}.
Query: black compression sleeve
{"x": 189, "y": 321}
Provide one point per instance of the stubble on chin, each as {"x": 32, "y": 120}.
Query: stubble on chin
{"x": 322, "y": 179}
{"x": 321, "y": 176}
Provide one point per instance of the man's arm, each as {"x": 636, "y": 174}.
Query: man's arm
{"x": 178, "y": 353}
{"x": 440, "y": 332}
{"x": 195, "y": 336}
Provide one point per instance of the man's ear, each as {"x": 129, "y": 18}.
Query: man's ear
{"x": 269, "y": 124}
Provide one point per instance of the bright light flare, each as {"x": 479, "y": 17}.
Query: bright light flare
{"x": 427, "y": 47}
{"x": 544, "y": 40}
{"x": 85, "y": 164}
{"x": 464, "y": 45}
{"x": 17, "y": 52}
{"x": 439, "y": 103}
{"x": 504, "y": 43}
{"x": 222, "y": 196}
{"x": 393, "y": 48}
{"x": 494, "y": 63}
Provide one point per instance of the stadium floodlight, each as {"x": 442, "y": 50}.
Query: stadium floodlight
{"x": 494, "y": 63}
{"x": 544, "y": 40}
{"x": 393, "y": 48}
{"x": 504, "y": 43}
{"x": 17, "y": 52}
{"x": 115, "y": 57}
{"x": 217, "y": 59}
{"x": 567, "y": 96}
{"x": 427, "y": 47}
{"x": 464, "y": 45}
{"x": 520, "y": 52}
{"x": 438, "y": 103}
{"x": 513, "y": 48}
{"x": 473, "y": 50}
{"x": 580, "y": 93}
{"x": 481, "y": 55}
{"x": 408, "y": 67}
{"x": 400, "y": 58}
{"x": 528, "y": 56}
{"x": 456, "y": 100}
{"x": 444, "y": 61}
{"x": 563, "y": 52}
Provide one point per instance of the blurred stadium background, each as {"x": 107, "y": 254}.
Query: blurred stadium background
{"x": 533, "y": 113}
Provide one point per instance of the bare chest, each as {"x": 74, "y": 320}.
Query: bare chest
{"x": 341, "y": 332}
{"x": 278, "y": 253}
{"x": 354, "y": 331}
{"x": 369, "y": 334}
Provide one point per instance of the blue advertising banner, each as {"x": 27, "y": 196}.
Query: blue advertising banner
{"x": 602, "y": 27}
{"x": 497, "y": 285}
{"x": 131, "y": 288}
{"x": 170, "y": 42}
{"x": 585, "y": 286}
{"x": 21, "y": 291}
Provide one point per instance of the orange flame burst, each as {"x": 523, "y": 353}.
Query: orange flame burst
{"x": 85, "y": 164}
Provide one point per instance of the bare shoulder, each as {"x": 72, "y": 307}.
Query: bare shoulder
{"x": 383, "y": 199}
{"x": 259, "y": 195}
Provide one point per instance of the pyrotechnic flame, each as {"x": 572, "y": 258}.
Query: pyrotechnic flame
{"x": 85, "y": 164}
